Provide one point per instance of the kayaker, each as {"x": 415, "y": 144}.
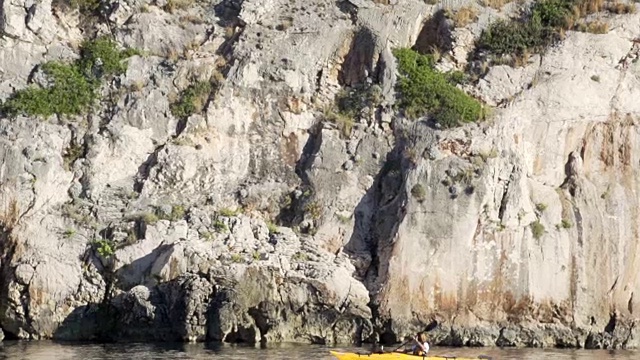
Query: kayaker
{"x": 421, "y": 347}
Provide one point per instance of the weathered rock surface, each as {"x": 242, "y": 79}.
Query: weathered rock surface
{"x": 132, "y": 224}
{"x": 561, "y": 155}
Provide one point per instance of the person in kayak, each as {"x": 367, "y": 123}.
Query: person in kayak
{"x": 420, "y": 347}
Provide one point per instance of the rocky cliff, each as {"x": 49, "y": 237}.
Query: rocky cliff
{"x": 211, "y": 192}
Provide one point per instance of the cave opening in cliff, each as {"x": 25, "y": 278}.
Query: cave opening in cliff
{"x": 359, "y": 61}
{"x": 8, "y": 335}
{"x": 435, "y": 36}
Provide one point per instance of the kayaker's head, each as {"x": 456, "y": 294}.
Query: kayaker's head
{"x": 422, "y": 337}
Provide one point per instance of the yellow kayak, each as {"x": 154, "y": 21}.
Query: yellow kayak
{"x": 390, "y": 356}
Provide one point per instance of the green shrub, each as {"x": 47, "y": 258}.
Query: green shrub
{"x": 101, "y": 57}
{"x": 350, "y": 102}
{"x": 70, "y": 94}
{"x": 457, "y": 77}
{"x": 192, "y": 100}
{"x": 566, "y": 224}
{"x": 541, "y": 207}
{"x": 74, "y": 86}
{"x": 149, "y": 218}
{"x": 553, "y": 13}
{"x": 226, "y": 212}
{"x": 343, "y": 219}
{"x": 300, "y": 257}
{"x": 69, "y": 233}
{"x": 541, "y": 27}
{"x": 418, "y": 192}
{"x": 423, "y": 90}
{"x": 314, "y": 208}
{"x": 537, "y": 229}
{"x": 219, "y": 226}
{"x": 177, "y": 213}
{"x": 104, "y": 248}
{"x": 513, "y": 38}
{"x": 273, "y": 228}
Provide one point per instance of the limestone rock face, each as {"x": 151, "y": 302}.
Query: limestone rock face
{"x": 263, "y": 216}
{"x": 521, "y": 222}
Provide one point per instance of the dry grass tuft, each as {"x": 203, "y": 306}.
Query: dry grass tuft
{"x": 594, "y": 27}
{"x": 464, "y": 16}
{"x": 9, "y": 216}
{"x": 621, "y": 8}
{"x": 496, "y": 4}
{"x": 174, "y": 5}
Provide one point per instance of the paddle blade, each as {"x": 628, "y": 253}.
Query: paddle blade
{"x": 432, "y": 325}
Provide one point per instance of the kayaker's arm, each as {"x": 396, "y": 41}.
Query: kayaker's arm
{"x": 421, "y": 345}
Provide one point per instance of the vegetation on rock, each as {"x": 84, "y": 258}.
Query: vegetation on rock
{"x": 418, "y": 191}
{"x": 425, "y": 91}
{"x": 349, "y": 105}
{"x": 542, "y": 25}
{"x": 72, "y": 88}
{"x": 104, "y": 248}
{"x": 85, "y": 7}
{"x": 192, "y": 100}
{"x": 537, "y": 229}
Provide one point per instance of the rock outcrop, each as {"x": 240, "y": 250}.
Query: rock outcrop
{"x": 258, "y": 219}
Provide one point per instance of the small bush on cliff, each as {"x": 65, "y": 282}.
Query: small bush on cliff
{"x": 423, "y": 90}
{"x": 566, "y": 224}
{"x": 273, "y": 228}
{"x": 513, "y": 38}
{"x": 69, "y": 94}
{"x": 177, "y": 213}
{"x": 72, "y": 88}
{"x": 541, "y": 26}
{"x": 219, "y": 226}
{"x": 237, "y": 258}
{"x": 300, "y": 257}
{"x": 226, "y": 212}
{"x": 537, "y": 229}
{"x": 101, "y": 57}
{"x": 104, "y": 248}
{"x": 149, "y": 218}
{"x": 418, "y": 192}
{"x": 350, "y": 104}
{"x": 85, "y": 7}
{"x": 343, "y": 122}
{"x": 192, "y": 100}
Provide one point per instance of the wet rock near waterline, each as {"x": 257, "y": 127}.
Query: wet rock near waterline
{"x": 212, "y": 289}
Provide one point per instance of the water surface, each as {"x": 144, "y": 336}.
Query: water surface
{"x": 68, "y": 351}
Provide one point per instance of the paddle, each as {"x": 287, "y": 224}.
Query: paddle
{"x": 403, "y": 344}
{"x": 432, "y": 325}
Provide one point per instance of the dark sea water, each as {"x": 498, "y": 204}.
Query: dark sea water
{"x": 62, "y": 351}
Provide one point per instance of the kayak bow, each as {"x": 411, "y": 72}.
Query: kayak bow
{"x": 391, "y": 356}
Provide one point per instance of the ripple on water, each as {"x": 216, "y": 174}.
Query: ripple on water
{"x": 152, "y": 351}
